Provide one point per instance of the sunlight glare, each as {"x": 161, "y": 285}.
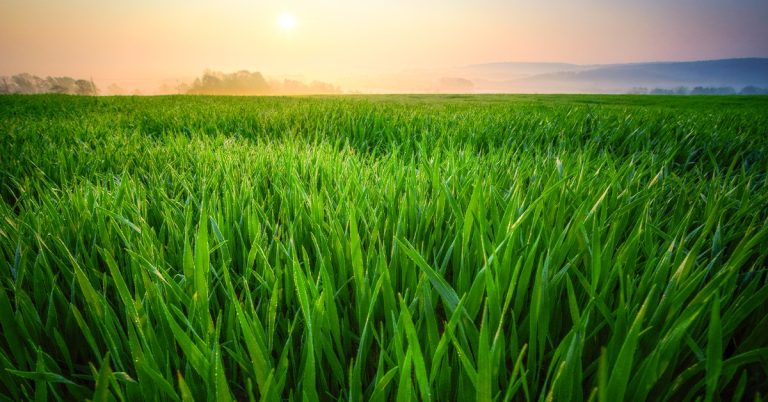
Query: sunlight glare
{"x": 286, "y": 21}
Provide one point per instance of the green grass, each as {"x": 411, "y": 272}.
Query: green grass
{"x": 484, "y": 248}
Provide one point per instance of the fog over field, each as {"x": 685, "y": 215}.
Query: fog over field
{"x": 728, "y": 76}
{"x": 572, "y": 78}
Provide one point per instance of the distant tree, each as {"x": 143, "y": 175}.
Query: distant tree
{"x": 253, "y": 83}
{"x": 753, "y": 90}
{"x": 210, "y": 82}
{"x": 26, "y": 83}
{"x": 169, "y": 87}
{"x": 85, "y": 87}
{"x": 240, "y": 83}
{"x": 713, "y": 91}
{"x": 182, "y": 88}
{"x": 295, "y": 87}
{"x": 62, "y": 85}
{"x": 455, "y": 84}
{"x": 114, "y": 89}
{"x": 319, "y": 87}
{"x": 290, "y": 87}
{"x": 663, "y": 91}
{"x": 6, "y": 85}
{"x": 58, "y": 89}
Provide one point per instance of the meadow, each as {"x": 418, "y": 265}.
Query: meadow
{"x": 372, "y": 248}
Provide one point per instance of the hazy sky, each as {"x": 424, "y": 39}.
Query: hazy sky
{"x": 141, "y": 40}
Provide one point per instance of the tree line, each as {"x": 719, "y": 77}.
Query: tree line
{"x": 245, "y": 82}
{"x": 701, "y": 90}
{"x": 26, "y": 83}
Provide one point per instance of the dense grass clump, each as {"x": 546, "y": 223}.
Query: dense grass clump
{"x": 378, "y": 248}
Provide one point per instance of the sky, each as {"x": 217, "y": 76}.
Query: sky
{"x": 136, "y": 42}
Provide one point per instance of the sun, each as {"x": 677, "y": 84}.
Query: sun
{"x": 286, "y": 21}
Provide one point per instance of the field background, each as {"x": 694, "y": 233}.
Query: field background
{"x": 383, "y": 247}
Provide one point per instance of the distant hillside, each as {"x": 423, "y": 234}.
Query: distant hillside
{"x": 557, "y": 77}
{"x": 510, "y": 70}
{"x": 747, "y": 75}
{"x": 731, "y": 72}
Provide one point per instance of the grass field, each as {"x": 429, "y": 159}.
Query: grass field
{"x": 487, "y": 248}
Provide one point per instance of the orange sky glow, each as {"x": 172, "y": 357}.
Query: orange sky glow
{"x": 138, "y": 43}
